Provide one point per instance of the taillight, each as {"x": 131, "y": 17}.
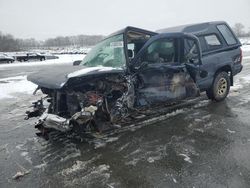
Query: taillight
{"x": 238, "y": 58}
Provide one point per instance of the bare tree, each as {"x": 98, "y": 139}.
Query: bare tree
{"x": 239, "y": 29}
{"x": 79, "y": 40}
{"x": 9, "y": 43}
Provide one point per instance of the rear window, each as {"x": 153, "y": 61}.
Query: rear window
{"x": 212, "y": 42}
{"x": 227, "y": 34}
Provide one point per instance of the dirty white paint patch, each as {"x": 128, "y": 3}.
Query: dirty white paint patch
{"x": 87, "y": 70}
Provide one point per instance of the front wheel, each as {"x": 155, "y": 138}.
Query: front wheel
{"x": 220, "y": 87}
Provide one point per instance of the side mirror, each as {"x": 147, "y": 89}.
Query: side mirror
{"x": 130, "y": 54}
{"x": 76, "y": 63}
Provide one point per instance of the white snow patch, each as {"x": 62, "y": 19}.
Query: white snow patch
{"x": 63, "y": 59}
{"x": 17, "y": 84}
{"x": 206, "y": 117}
{"x": 208, "y": 125}
{"x": 133, "y": 162}
{"x": 245, "y": 48}
{"x": 198, "y": 120}
{"x": 99, "y": 143}
{"x": 79, "y": 165}
{"x": 153, "y": 159}
{"x": 110, "y": 185}
{"x": 174, "y": 180}
{"x": 240, "y": 82}
{"x": 123, "y": 147}
{"x": 186, "y": 158}
{"x": 230, "y": 131}
{"x": 25, "y": 153}
{"x": 246, "y": 51}
{"x": 43, "y": 165}
{"x": 75, "y": 153}
{"x": 246, "y": 57}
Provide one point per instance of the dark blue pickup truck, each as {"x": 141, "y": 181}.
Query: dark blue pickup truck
{"x": 135, "y": 74}
{"x": 30, "y": 57}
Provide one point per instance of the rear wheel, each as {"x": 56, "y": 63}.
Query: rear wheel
{"x": 220, "y": 87}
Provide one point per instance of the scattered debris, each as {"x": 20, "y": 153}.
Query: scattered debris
{"x": 21, "y": 173}
{"x": 230, "y": 131}
{"x": 186, "y": 158}
{"x": 150, "y": 160}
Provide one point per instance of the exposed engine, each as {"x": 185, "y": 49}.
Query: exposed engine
{"x": 89, "y": 106}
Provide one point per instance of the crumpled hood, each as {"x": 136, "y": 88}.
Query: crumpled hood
{"x": 57, "y": 77}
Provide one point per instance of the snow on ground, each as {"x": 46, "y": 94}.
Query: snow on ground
{"x": 245, "y": 40}
{"x": 240, "y": 82}
{"x": 13, "y": 85}
{"x": 245, "y": 47}
{"x": 246, "y": 51}
{"x": 61, "y": 60}
{"x": 9, "y": 87}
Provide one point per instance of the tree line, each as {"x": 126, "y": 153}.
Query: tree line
{"x": 78, "y": 41}
{"x": 10, "y": 43}
{"x": 239, "y": 30}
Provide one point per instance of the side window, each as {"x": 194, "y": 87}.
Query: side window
{"x": 191, "y": 54}
{"x": 212, "y": 42}
{"x": 161, "y": 51}
{"x": 136, "y": 41}
{"x": 227, "y": 34}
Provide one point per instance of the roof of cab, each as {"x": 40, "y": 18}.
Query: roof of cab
{"x": 199, "y": 28}
{"x": 132, "y": 29}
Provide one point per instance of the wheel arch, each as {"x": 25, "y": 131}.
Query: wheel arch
{"x": 228, "y": 69}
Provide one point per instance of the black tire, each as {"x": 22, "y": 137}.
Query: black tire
{"x": 42, "y": 59}
{"x": 220, "y": 87}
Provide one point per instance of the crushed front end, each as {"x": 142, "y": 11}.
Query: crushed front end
{"x": 92, "y": 105}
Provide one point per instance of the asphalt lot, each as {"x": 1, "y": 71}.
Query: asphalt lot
{"x": 205, "y": 145}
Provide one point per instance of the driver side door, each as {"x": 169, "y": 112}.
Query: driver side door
{"x": 162, "y": 78}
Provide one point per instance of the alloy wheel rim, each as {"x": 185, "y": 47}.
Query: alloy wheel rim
{"x": 222, "y": 87}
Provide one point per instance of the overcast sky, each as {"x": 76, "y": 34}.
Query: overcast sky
{"x": 42, "y": 19}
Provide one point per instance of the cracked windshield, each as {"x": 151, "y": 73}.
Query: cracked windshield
{"x": 108, "y": 53}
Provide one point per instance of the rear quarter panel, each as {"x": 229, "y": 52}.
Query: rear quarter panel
{"x": 214, "y": 61}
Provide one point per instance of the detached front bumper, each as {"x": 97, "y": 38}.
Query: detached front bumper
{"x": 51, "y": 121}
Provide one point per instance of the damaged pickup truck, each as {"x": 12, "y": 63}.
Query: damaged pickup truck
{"x": 134, "y": 74}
